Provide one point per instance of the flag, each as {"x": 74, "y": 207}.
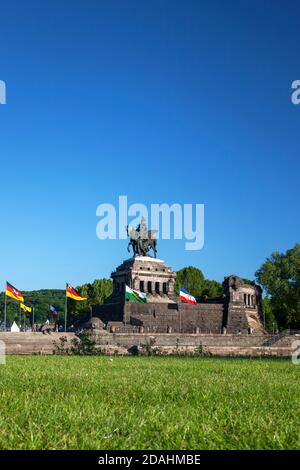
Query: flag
{"x": 53, "y": 310}
{"x": 25, "y": 308}
{"x": 70, "y": 292}
{"x": 12, "y": 292}
{"x": 186, "y": 297}
{"x": 135, "y": 295}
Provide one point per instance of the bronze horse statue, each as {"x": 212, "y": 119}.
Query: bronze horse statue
{"x": 141, "y": 241}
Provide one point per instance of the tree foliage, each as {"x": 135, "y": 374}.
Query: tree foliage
{"x": 269, "y": 316}
{"x": 212, "y": 288}
{"x": 280, "y": 278}
{"x": 192, "y": 279}
{"x": 40, "y": 300}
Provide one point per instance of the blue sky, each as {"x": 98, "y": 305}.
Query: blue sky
{"x": 162, "y": 101}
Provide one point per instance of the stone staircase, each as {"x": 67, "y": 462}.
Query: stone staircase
{"x": 284, "y": 338}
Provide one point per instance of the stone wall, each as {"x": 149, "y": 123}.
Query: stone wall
{"x": 163, "y": 317}
{"x": 123, "y": 343}
{"x": 237, "y": 311}
{"x": 237, "y": 320}
{"x": 110, "y": 312}
{"x": 214, "y": 344}
{"x": 31, "y": 343}
{"x": 163, "y": 339}
{"x": 206, "y": 317}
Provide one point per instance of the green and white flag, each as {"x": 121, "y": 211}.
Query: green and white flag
{"x": 135, "y": 295}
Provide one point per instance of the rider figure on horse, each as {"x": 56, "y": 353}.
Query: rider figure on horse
{"x": 141, "y": 239}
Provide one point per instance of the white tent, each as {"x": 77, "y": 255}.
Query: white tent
{"x": 15, "y": 328}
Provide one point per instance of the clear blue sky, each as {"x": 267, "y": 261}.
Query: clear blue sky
{"x": 163, "y": 101}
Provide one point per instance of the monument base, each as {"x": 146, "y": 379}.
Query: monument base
{"x": 238, "y": 311}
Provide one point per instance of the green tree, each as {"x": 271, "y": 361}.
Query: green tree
{"x": 102, "y": 289}
{"x": 269, "y": 316}
{"x": 40, "y": 300}
{"x": 212, "y": 288}
{"x": 191, "y": 279}
{"x": 280, "y": 278}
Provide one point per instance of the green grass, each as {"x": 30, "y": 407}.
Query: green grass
{"x": 59, "y": 402}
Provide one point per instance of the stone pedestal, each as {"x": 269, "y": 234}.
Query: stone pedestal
{"x": 237, "y": 311}
{"x": 149, "y": 275}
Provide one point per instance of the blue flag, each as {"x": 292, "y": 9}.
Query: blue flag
{"x": 53, "y": 310}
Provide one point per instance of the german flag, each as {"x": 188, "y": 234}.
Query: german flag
{"x": 72, "y": 294}
{"x": 14, "y": 293}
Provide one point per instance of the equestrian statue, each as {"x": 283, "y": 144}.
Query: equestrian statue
{"x": 142, "y": 240}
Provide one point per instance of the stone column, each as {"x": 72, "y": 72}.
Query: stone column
{"x": 153, "y": 287}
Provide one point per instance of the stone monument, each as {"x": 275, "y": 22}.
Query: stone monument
{"x": 237, "y": 311}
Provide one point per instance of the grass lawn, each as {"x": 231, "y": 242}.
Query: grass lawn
{"x": 58, "y": 402}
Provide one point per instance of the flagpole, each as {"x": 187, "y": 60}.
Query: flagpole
{"x": 5, "y": 312}
{"x": 66, "y": 312}
{"x": 20, "y": 316}
{"x": 179, "y": 320}
{"x": 33, "y": 317}
{"x": 125, "y": 308}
